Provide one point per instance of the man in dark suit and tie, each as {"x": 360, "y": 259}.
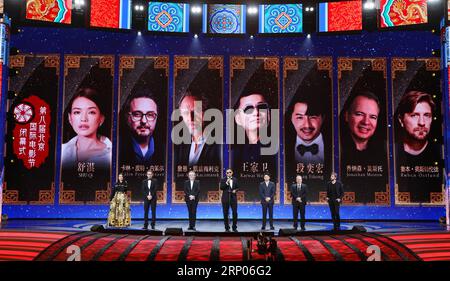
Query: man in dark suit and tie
{"x": 335, "y": 192}
{"x": 299, "y": 192}
{"x": 149, "y": 187}
{"x": 191, "y": 193}
{"x": 267, "y": 194}
{"x": 229, "y": 186}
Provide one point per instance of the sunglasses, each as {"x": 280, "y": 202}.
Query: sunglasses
{"x": 249, "y": 109}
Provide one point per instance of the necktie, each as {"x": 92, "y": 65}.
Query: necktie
{"x": 302, "y": 149}
{"x": 299, "y": 187}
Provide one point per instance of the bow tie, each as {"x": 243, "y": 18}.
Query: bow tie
{"x": 302, "y": 149}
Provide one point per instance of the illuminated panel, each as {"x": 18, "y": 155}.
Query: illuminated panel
{"x": 281, "y": 18}
{"x": 168, "y": 17}
{"x": 59, "y": 11}
{"x": 340, "y": 16}
{"x": 402, "y": 12}
{"x": 224, "y": 19}
{"x": 111, "y": 13}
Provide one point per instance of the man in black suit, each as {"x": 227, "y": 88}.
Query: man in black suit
{"x": 299, "y": 192}
{"x": 229, "y": 186}
{"x": 191, "y": 193}
{"x": 335, "y": 192}
{"x": 149, "y": 187}
{"x": 267, "y": 194}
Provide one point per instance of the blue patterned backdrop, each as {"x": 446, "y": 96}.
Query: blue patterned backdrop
{"x": 287, "y": 18}
{"x": 168, "y": 17}
{"x": 224, "y": 19}
{"x": 62, "y": 41}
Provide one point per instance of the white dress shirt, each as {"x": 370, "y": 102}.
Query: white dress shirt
{"x": 194, "y": 156}
{"x": 308, "y": 157}
{"x": 149, "y": 184}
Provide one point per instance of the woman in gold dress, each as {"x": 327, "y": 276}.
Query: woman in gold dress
{"x": 119, "y": 209}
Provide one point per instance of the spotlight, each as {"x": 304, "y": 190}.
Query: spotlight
{"x": 309, "y": 9}
{"x": 197, "y": 9}
{"x": 196, "y": 36}
{"x": 308, "y": 36}
{"x": 252, "y": 10}
{"x": 139, "y": 33}
{"x": 436, "y": 52}
{"x": 14, "y": 51}
{"x": 139, "y": 8}
{"x": 79, "y": 3}
{"x": 251, "y": 37}
{"x": 369, "y": 5}
{"x": 13, "y": 72}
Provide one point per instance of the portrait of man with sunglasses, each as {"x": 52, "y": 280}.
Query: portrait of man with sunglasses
{"x": 252, "y": 116}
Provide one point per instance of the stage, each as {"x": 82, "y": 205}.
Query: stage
{"x": 48, "y": 240}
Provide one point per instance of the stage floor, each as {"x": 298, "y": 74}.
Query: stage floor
{"x": 48, "y": 240}
{"x": 217, "y": 225}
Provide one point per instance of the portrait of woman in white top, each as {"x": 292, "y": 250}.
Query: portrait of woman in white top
{"x": 86, "y": 116}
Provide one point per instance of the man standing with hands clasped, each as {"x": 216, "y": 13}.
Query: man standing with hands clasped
{"x": 267, "y": 194}
{"x": 299, "y": 192}
{"x": 149, "y": 187}
{"x": 335, "y": 192}
{"x": 191, "y": 193}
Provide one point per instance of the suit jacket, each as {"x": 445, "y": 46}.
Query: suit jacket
{"x": 267, "y": 192}
{"x": 302, "y": 194}
{"x": 153, "y": 187}
{"x": 226, "y": 188}
{"x": 210, "y": 154}
{"x": 194, "y": 191}
{"x": 338, "y": 191}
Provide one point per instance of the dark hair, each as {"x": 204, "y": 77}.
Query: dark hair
{"x": 314, "y": 105}
{"x": 92, "y": 94}
{"x": 266, "y": 174}
{"x": 362, "y": 93}
{"x": 410, "y": 100}
{"x": 196, "y": 97}
{"x": 246, "y": 94}
{"x": 139, "y": 92}
{"x": 407, "y": 104}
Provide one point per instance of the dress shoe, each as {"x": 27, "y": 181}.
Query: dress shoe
{"x": 263, "y": 228}
{"x": 227, "y": 230}
{"x": 272, "y": 228}
{"x": 235, "y": 230}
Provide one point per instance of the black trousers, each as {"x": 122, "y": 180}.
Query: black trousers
{"x": 229, "y": 200}
{"x": 267, "y": 207}
{"x": 296, "y": 207}
{"x": 147, "y": 205}
{"x": 192, "y": 209}
{"x": 334, "y": 209}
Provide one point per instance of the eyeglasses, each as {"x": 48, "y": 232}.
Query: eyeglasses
{"x": 250, "y": 108}
{"x": 229, "y": 172}
{"x": 138, "y": 115}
